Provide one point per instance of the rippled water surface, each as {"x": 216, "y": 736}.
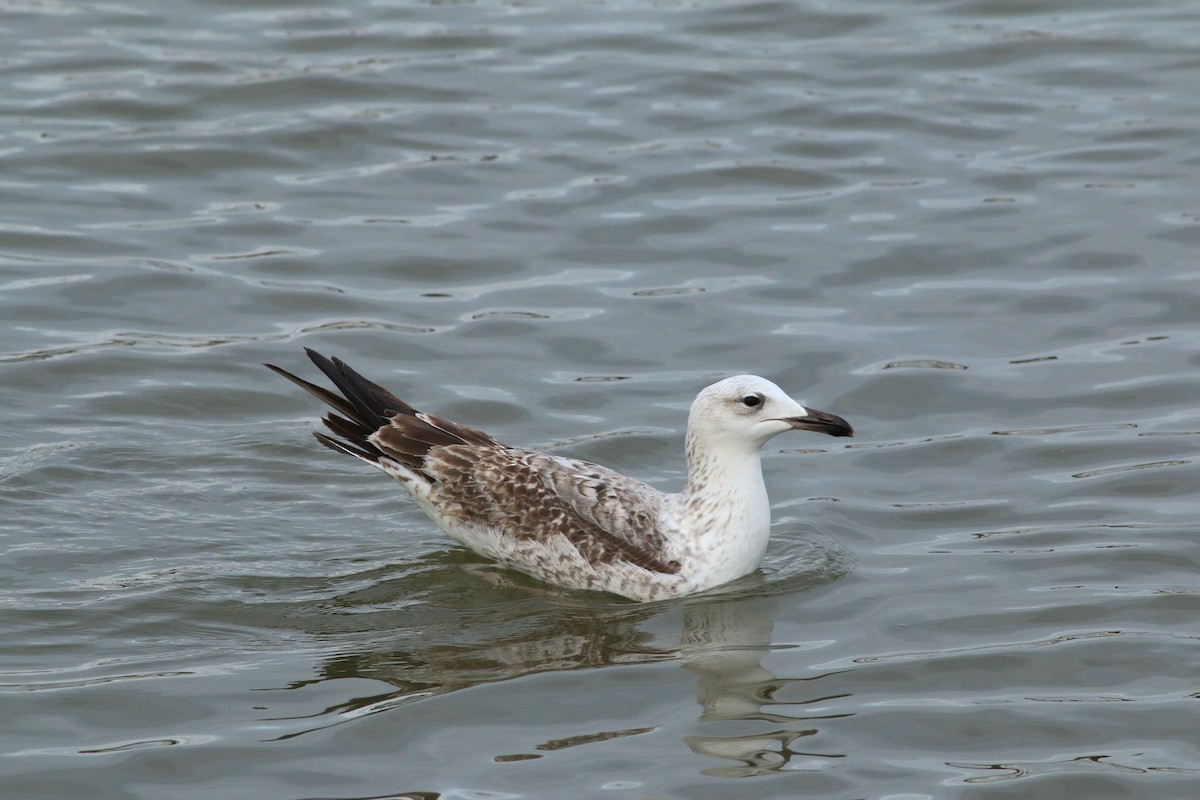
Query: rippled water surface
{"x": 971, "y": 228}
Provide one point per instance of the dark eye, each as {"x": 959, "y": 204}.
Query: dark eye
{"x": 752, "y": 400}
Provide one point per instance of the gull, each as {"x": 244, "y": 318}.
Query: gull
{"x": 569, "y": 522}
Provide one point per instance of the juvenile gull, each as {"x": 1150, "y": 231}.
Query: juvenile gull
{"x": 573, "y": 523}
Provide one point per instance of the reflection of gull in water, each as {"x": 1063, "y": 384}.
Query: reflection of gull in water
{"x": 456, "y": 639}
{"x": 572, "y": 523}
{"x": 724, "y": 645}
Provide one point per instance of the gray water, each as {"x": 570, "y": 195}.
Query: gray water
{"x": 969, "y": 227}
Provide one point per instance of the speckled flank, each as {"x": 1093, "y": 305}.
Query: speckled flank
{"x": 573, "y": 523}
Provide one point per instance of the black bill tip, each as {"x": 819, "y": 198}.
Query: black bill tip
{"x": 821, "y": 422}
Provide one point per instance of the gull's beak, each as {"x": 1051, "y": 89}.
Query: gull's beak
{"x": 821, "y": 422}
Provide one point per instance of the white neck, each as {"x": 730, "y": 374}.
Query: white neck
{"x": 725, "y": 507}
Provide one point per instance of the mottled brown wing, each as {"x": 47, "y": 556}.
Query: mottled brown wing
{"x": 407, "y": 438}
{"x": 607, "y": 516}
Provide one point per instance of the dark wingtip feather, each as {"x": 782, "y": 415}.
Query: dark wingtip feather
{"x": 367, "y": 411}
{"x": 346, "y": 448}
{"x": 374, "y": 403}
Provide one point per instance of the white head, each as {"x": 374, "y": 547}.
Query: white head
{"x": 744, "y": 411}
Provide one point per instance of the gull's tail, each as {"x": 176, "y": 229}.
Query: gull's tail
{"x": 372, "y": 423}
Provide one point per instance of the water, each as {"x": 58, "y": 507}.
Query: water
{"x": 970, "y": 228}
